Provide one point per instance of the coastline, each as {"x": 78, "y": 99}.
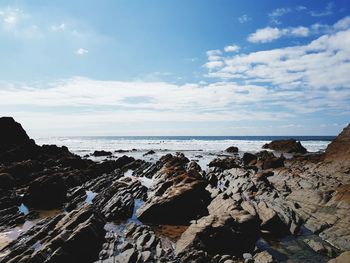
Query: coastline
{"x": 177, "y": 205}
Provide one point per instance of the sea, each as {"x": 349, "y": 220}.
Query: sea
{"x": 198, "y": 148}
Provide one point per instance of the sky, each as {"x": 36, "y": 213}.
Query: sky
{"x": 181, "y": 67}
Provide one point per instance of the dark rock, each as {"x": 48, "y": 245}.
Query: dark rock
{"x": 12, "y": 134}
{"x": 287, "y": 146}
{"x": 188, "y": 196}
{"x": 149, "y": 153}
{"x": 273, "y": 163}
{"x": 224, "y": 164}
{"x": 6, "y": 181}
{"x": 101, "y": 153}
{"x": 218, "y": 235}
{"x": 232, "y": 149}
{"x": 46, "y": 192}
{"x": 249, "y": 158}
{"x": 74, "y": 237}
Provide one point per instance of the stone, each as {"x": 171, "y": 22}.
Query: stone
{"x": 342, "y": 258}
{"x": 189, "y": 197}
{"x": 46, "y": 192}
{"x": 232, "y": 149}
{"x": 287, "y": 146}
{"x": 263, "y": 257}
{"x": 101, "y": 153}
{"x": 249, "y": 158}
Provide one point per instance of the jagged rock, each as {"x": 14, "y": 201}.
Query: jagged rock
{"x": 224, "y": 164}
{"x": 249, "y": 158}
{"x": 339, "y": 148}
{"x": 270, "y": 220}
{"x": 12, "y": 134}
{"x": 75, "y": 237}
{"x": 287, "y": 146}
{"x": 217, "y": 235}
{"x": 188, "y": 196}
{"x": 232, "y": 149}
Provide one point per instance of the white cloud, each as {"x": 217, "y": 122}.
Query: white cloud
{"x": 244, "y": 19}
{"x": 269, "y": 34}
{"x": 315, "y": 74}
{"x": 342, "y": 23}
{"x": 91, "y": 102}
{"x": 231, "y": 48}
{"x": 82, "y": 51}
{"x": 264, "y": 35}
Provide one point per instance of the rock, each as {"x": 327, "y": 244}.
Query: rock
{"x": 287, "y": 146}
{"x": 46, "y": 192}
{"x": 188, "y": 196}
{"x": 149, "y": 153}
{"x": 128, "y": 256}
{"x": 216, "y": 235}
{"x": 74, "y": 237}
{"x": 12, "y": 134}
{"x": 101, "y": 153}
{"x": 273, "y": 163}
{"x": 339, "y": 148}
{"x": 249, "y": 158}
{"x": 343, "y": 258}
{"x": 6, "y": 181}
{"x": 224, "y": 164}
{"x": 263, "y": 257}
{"x": 270, "y": 220}
{"x": 232, "y": 149}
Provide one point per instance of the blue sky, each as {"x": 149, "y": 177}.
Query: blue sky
{"x": 179, "y": 67}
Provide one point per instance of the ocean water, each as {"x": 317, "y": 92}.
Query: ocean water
{"x": 199, "y": 148}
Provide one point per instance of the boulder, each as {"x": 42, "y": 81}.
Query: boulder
{"x": 189, "y": 196}
{"x": 287, "y": 146}
{"x": 232, "y": 149}
{"x": 217, "y": 234}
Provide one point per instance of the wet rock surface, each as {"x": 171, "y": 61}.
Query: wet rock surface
{"x": 257, "y": 207}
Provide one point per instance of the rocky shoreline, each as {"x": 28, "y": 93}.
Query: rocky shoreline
{"x": 56, "y": 206}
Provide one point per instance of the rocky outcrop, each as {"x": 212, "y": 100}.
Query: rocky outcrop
{"x": 287, "y": 146}
{"x": 339, "y": 149}
{"x": 75, "y": 237}
{"x": 177, "y": 189}
{"x": 224, "y": 164}
{"x": 188, "y": 196}
{"x": 12, "y": 134}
